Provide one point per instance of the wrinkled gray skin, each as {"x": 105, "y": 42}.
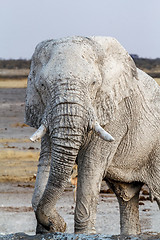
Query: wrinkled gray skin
{"x": 74, "y": 82}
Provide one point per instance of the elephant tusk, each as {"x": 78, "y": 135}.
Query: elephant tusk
{"x": 39, "y": 133}
{"x": 102, "y": 133}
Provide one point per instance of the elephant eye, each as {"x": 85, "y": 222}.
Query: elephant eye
{"x": 43, "y": 86}
{"x": 33, "y": 73}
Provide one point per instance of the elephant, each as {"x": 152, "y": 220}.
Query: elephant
{"x": 90, "y": 104}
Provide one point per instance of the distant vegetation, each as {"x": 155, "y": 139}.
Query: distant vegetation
{"x": 15, "y": 64}
{"x": 151, "y": 66}
{"x": 147, "y": 63}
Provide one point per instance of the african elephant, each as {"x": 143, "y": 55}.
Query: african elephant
{"x": 78, "y": 89}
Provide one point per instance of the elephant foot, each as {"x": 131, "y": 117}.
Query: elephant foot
{"x": 56, "y": 226}
{"x": 40, "y": 229}
{"x": 52, "y": 222}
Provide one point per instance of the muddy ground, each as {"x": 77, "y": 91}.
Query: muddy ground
{"x": 18, "y": 164}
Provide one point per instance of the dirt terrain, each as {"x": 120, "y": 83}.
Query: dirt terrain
{"x": 18, "y": 164}
{"x": 18, "y": 155}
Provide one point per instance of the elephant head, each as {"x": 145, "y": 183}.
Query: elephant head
{"x": 70, "y": 95}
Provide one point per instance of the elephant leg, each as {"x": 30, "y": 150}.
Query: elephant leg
{"x": 128, "y": 198}
{"x": 152, "y": 175}
{"x": 42, "y": 176}
{"x": 89, "y": 182}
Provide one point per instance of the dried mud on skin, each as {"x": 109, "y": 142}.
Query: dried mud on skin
{"x": 20, "y": 158}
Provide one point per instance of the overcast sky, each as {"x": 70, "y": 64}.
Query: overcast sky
{"x": 25, "y": 23}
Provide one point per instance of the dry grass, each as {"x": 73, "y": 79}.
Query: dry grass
{"x": 13, "y": 83}
{"x": 21, "y": 155}
{"x": 18, "y": 124}
{"x": 157, "y": 80}
{"x": 18, "y": 165}
{"x": 14, "y": 140}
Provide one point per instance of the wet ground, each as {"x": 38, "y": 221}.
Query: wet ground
{"x": 16, "y": 214}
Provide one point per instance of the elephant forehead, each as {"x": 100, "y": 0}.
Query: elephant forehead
{"x": 68, "y": 48}
{"x": 66, "y": 59}
{"x": 71, "y": 67}
{"x": 74, "y": 67}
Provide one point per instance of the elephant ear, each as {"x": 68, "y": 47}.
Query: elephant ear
{"x": 119, "y": 74}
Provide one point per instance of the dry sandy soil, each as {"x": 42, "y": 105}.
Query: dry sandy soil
{"x": 18, "y": 164}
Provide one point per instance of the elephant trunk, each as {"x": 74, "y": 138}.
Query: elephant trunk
{"x": 66, "y": 136}
{"x": 66, "y": 118}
